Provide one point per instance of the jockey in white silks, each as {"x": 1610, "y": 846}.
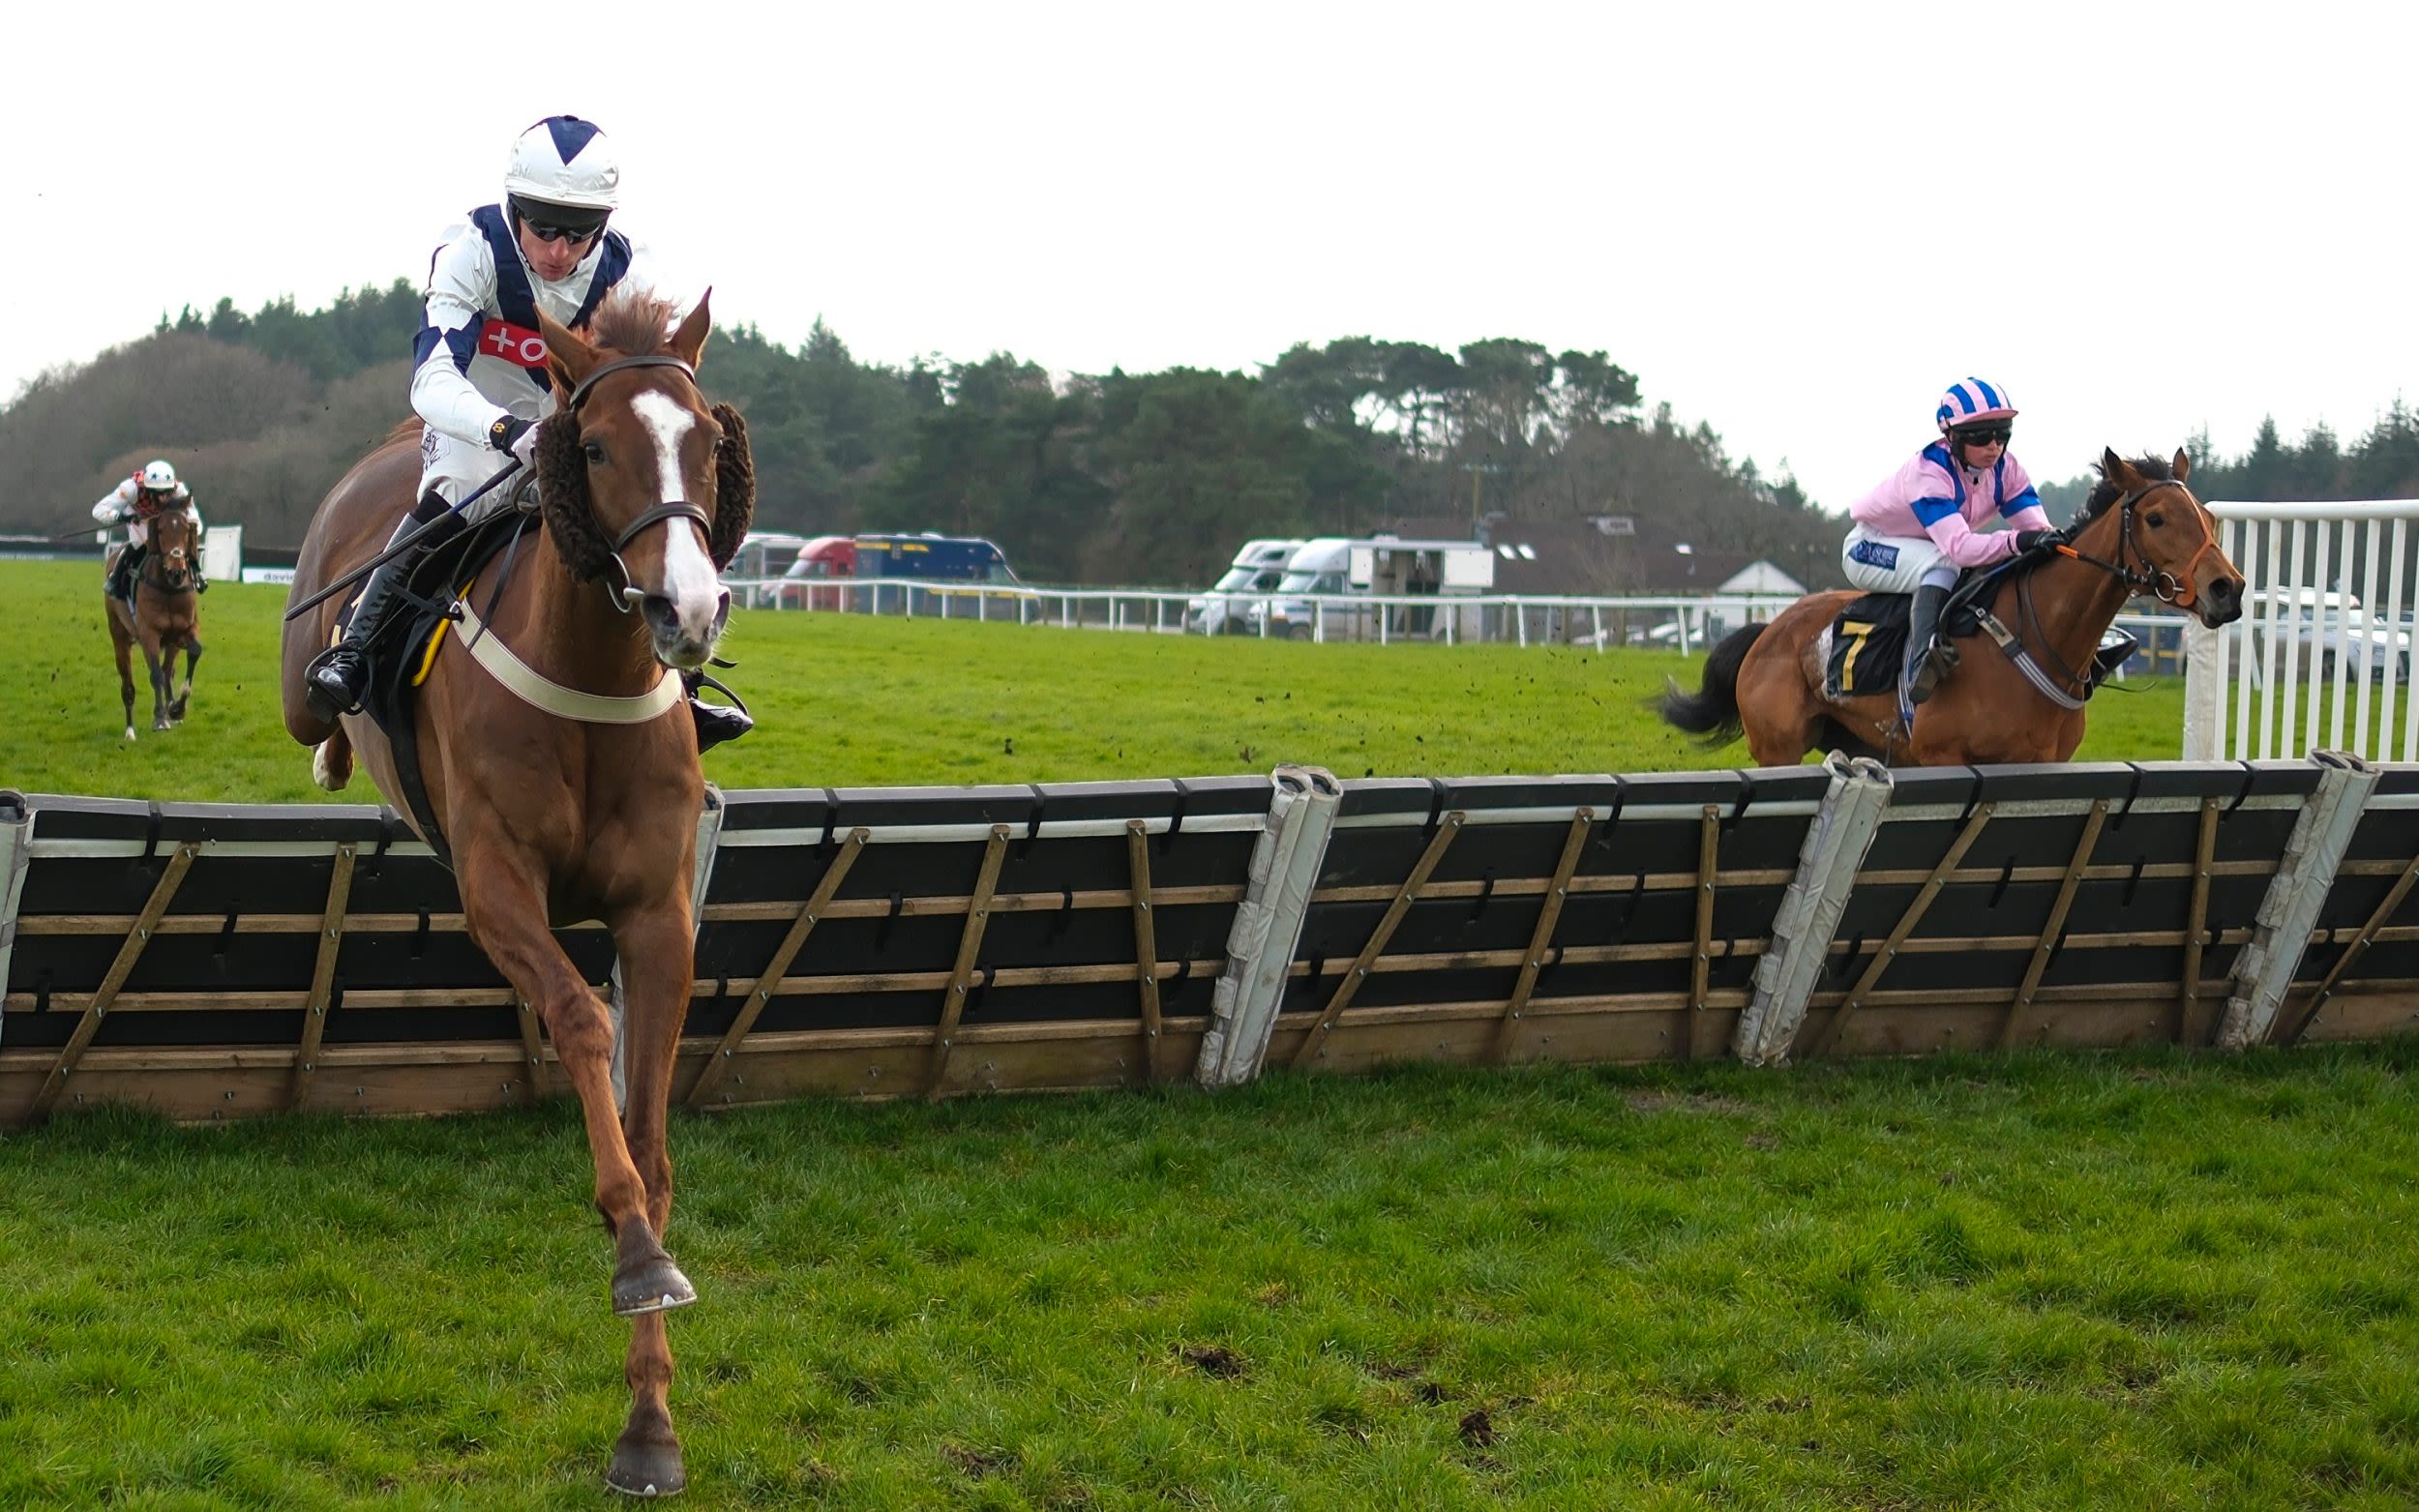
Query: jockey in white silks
{"x": 479, "y": 382}
{"x": 132, "y": 504}
{"x": 1916, "y": 532}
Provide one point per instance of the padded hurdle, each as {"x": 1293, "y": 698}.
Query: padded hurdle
{"x": 230, "y": 961}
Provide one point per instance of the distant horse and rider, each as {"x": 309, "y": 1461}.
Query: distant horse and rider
{"x": 159, "y": 613}
{"x": 2020, "y": 695}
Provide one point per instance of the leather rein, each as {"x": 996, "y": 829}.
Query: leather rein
{"x": 628, "y": 594}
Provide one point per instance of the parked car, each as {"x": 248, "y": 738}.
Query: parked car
{"x": 2316, "y": 629}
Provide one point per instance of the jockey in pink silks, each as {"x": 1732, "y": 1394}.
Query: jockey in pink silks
{"x": 1916, "y": 532}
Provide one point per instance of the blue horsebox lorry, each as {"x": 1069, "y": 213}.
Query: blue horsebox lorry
{"x": 932, "y": 559}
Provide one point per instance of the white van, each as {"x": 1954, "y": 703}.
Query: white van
{"x": 1333, "y": 567}
{"x": 1258, "y": 567}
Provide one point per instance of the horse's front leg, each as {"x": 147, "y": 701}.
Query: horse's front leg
{"x": 504, "y": 906}
{"x": 192, "y": 654}
{"x": 159, "y": 662}
{"x": 125, "y": 649}
{"x": 656, "y": 944}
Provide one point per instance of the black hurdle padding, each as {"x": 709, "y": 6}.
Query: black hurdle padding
{"x": 1515, "y": 828}
{"x": 207, "y": 986}
{"x": 2012, "y": 874}
{"x": 2382, "y": 847}
{"x": 1062, "y": 840}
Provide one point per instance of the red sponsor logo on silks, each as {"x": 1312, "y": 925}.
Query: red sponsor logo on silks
{"x": 515, "y": 344}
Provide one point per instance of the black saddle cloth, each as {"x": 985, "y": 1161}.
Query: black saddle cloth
{"x": 1869, "y": 637}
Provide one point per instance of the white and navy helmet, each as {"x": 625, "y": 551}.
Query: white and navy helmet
{"x": 1971, "y": 401}
{"x": 563, "y": 174}
{"x": 157, "y": 475}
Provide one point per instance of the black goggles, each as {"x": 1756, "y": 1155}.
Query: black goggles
{"x": 1985, "y": 435}
{"x": 560, "y": 222}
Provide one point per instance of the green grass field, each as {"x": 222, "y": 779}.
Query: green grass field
{"x": 851, "y": 700}
{"x": 2132, "y": 1282}
{"x": 2142, "y": 1282}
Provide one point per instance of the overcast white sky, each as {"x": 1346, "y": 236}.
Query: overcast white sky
{"x": 1797, "y": 223}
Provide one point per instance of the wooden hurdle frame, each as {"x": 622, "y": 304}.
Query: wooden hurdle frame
{"x": 218, "y": 961}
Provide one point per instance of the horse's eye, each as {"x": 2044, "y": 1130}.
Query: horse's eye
{"x": 2154, "y": 519}
{"x": 594, "y": 451}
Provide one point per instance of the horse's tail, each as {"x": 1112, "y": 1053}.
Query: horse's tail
{"x": 1712, "y": 711}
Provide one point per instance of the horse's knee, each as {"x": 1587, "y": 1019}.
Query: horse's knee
{"x": 580, "y": 1026}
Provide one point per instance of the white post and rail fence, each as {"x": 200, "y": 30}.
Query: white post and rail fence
{"x": 2321, "y": 656}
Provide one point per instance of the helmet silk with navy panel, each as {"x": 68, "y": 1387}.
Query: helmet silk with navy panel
{"x": 1970, "y": 401}
{"x": 562, "y": 176}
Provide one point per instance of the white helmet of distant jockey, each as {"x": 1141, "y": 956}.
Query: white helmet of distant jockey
{"x": 563, "y": 175}
{"x": 159, "y": 477}
{"x": 1971, "y": 401}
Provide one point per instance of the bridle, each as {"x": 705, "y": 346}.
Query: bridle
{"x": 629, "y": 594}
{"x": 2154, "y": 580}
{"x": 155, "y": 568}
{"x": 2147, "y": 579}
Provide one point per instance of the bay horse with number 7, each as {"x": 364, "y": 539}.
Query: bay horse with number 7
{"x": 161, "y": 615}
{"x": 576, "y": 803}
{"x": 2141, "y": 531}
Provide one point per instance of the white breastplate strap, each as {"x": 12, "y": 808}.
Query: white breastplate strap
{"x": 589, "y": 708}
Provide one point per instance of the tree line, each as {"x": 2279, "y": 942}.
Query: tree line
{"x": 1117, "y": 477}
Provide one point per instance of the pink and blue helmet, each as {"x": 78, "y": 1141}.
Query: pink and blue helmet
{"x": 1970, "y": 401}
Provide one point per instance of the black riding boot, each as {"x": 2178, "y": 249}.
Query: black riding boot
{"x": 121, "y": 584}
{"x": 338, "y": 676}
{"x": 716, "y": 723}
{"x": 1928, "y": 658}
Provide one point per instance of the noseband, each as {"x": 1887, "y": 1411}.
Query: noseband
{"x": 628, "y": 593}
{"x": 2157, "y": 581}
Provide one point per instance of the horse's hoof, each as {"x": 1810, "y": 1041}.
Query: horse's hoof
{"x": 130, "y": 731}
{"x": 652, "y": 1285}
{"x": 646, "y": 1469}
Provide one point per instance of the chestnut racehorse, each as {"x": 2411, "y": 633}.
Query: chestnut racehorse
{"x": 591, "y": 814}
{"x": 2141, "y": 531}
{"x": 164, "y": 615}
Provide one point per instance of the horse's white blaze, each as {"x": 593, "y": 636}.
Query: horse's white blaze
{"x": 690, "y": 581}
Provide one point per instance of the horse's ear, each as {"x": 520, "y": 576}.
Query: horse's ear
{"x": 2117, "y": 470}
{"x": 567, "y": 357}
{"x": 689, "y": 341}
{"x": 2182, "y": 465}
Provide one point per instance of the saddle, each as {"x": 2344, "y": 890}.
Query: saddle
{"x": 1869, "y": 636}
{"x": 400, "y": 658}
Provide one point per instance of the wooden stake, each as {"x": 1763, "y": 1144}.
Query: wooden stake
{"x": 322, "y": 974}
{"x": 119, "y": 969}
{"x": 1146, "y": 945}
{"x": 1542, "y": 939}
{"x": 953, "y": 1001}
{"x": 718, "y": 1064}
{"x": 532, "y": 1052}
{"x": 1358, "y": 972}
{"x": 2189, "y": 1027}
{"x": 1700, "y": 967}
{"x": 1905, "y": 926}
{"x": 2048, "y": 940}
